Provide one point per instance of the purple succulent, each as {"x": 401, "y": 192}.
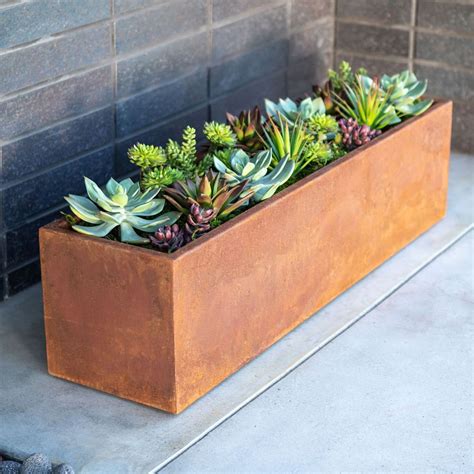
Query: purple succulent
{"x": 169, "y": 238}
{"x": 199, "y": 220}
{"x": 354, "y": 135}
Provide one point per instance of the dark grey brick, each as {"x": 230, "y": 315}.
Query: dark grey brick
{"x": 43, "y": 192}
{"x": 453, "y": 50}
{"x": 463, "y": 138}
{"x": 371, "y": 39}
{"x": 272, "y": 87}
{"x": 446, "y": 15}
{"x": 23, "y": 277}
{"x": 307, "y": 11}
{"x": 161, "y": 64}
{"x": 223, "y": 9}
{"x": 57, "y": 144}
{"x": 390, "y": 12}
{"x": 2, "y": 287}
{"x": 159, "y": 24}
{"x": 32, "y": 20}
{"x": 154, "y": 106}
{"x": 49, "y": 104}
{"x": 123, "y": 6}
{"x": 248, "y": 33}
{"x": 159, "y": 136}
{"x": 248, "y": 67}
{"x": 22, "y": 243}
{"x": 317, "y": 39}
{"x": 455, "y": 84}
{"x": 375, "y": 67}
{"x": 53, "y": 58}
{"x": 312, "y": 70}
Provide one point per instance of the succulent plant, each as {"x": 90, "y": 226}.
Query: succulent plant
{"x": 248, "y": 129}
{"x": 168, "y": 238}
{"x": 325, "y": 127}
{"x": 293, "y": 112}
{"x": 198, "y": 220}
{"x": 242, "y": 167}
{"x": 367, "y": 104}
{"x": 211, "y": 192}
{"x": 122, "y": 205}
{"x": 318, "y": 154}
{"x": 220, "y": 135}
{"x": 355, "y": 135}
{"x": 405, "y": 92}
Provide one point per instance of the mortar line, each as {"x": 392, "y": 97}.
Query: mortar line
{"x": 313, "y": 351}
{"x": 411, "y": 37}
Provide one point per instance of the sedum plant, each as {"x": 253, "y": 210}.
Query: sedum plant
{"x": 293, "y": 112}
{"x": 324, "y": 127}
{"x": 248, "y": 129}
{"x": 121, "y": 205}
{"x": 355, "y": 135}
{"x": 169, "y": 238}
{"x": 254, "y": 170}
{"x": 220, "y": 135}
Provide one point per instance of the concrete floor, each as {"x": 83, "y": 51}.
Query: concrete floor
{"x": 391, "y": 393}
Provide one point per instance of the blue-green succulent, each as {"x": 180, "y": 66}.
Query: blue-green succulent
{"x": 292, "y": 111}
{"x": 123, "y": 205}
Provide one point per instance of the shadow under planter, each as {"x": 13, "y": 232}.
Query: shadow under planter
{"x": 164, "y": 329}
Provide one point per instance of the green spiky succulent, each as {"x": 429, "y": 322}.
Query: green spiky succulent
{"x": 319, "y": 154}
{"x": 220, "y": 135}
{"x": 248, "y": 129}
{"x": 163, "y": 166}
{"x": 325, "y": 127}
{"x": 122, "y": 205}
{"x": 292, "y": 111}
{"x": 254, "y": 170}
{"x": 344, "y": 75}
{"x": 405, "y": 91}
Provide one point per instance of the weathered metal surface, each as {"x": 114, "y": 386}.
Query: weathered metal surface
{"x": 165, "y": 329}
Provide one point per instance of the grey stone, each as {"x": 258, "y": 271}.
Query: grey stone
{"x": 314, "y": 40}
{"x": 367, "y": 39}
{"x": 63, "y": 469}
{"x": 451, "y": 50}
{"x": 57, "y": 144}
{"x": 463, "y": 137}
{"x": 161, "y": 64}
{"x": 36, "y": 464}
{"x": 304, "y": 12}
{"x": 159, "y": 135}
{"x": 30, "y": 21}
{"x": 374, "y": 66}
{"x": 456, "y": 83}
{"x": 152, "y": 106}
{"x": 10, "y": 467}
{"x": 123, "y": 6}
{"x": 42, "y": 107}
{"x": 249, "y": 33}
{"x": 52, "y": 58}
{"x": 22, "y": 201}
{"x": 310, "y": 71}
{"x": 23, "y": 277}
{"x": 247, "y": 67}
{"x": 389, "y": 12}
{"x": 446, "y": 15}
{"x": 224, "y": 9}
{"x": 159, "y": 24}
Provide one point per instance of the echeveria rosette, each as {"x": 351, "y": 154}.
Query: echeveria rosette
{"x": 293, "y": 112}
{"x": 123, "y": 205}
{"x": 169, "y": 238}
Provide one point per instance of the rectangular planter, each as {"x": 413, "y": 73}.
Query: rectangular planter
{"x": 164, "y": 329}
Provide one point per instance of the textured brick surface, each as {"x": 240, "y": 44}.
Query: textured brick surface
{"x": 374, "y": 66}
{"x": 304, "y": 12}
{"x": 454, "y": 15}
{"x": 51, "y": 103}
{"x": 224, "y": 9}
{"x": 123, "y": 6}
{"x": 463, "y": 136}
{"x": 23, "y": 278}
{"x": 53, "y": 58}
{"x": 303, "y": 75}
{"x": 29, "y": 21}
{"x": 390, "y": 12}
{"x": 314, "y": 40}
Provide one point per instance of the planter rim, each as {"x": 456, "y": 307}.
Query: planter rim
{"x": 60, "y": 226}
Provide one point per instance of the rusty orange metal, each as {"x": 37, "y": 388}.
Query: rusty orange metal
{"x": 163, "y": 330}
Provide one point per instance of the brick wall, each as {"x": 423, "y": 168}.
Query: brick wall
{"x": 82, "y": 80}
{"x": 433, "y": 37}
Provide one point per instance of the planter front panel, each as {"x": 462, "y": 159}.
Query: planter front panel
{"x": 198, "y": 315}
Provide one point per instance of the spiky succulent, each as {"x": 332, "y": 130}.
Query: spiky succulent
{"x": 211, "y": 192}
{"x": 324, "y": 126}
{"x": 248, "y": 129}
{"x": 169, "y": 238}
{"x": 292, "y": 111}
{"x": 355, "y": 135}
{"x": 242, "y": 167}
{"x": 122, "y": 205}
{"x": 318, "y": 154}
{"x": 220, "y": 135}
{"x": 405, "y": 91}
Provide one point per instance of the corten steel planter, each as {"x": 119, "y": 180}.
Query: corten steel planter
{"x": 164, "y": 329}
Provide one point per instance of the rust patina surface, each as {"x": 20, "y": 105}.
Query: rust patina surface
{"x": 163, "y": 329}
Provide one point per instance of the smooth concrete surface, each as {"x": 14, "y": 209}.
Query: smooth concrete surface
{"x": 96, "y": 432}
{"x": 393, "y": 393}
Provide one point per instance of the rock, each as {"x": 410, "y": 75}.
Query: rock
{"x": 36, "y": 464}
{"x": 10, "y": 467}
{"x": 63, "y": 469}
